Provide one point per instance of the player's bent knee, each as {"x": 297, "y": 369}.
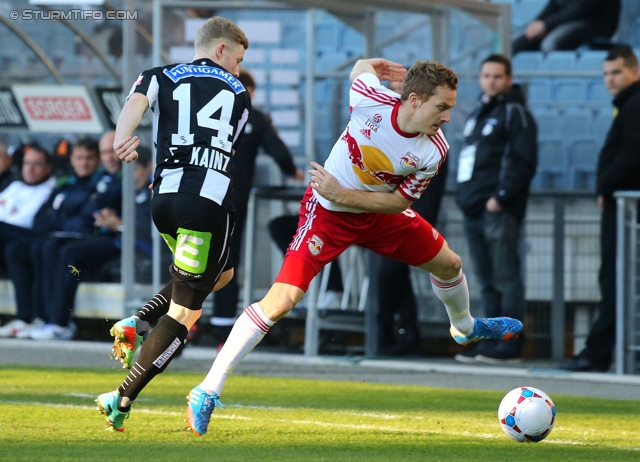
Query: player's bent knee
{"x": 280, "y": 299}
{"x": 225, "y": 278}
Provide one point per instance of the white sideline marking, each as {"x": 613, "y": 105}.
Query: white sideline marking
{"x": 381, "y": 428}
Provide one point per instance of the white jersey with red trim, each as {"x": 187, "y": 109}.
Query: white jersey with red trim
{"x": 373, "y": 154}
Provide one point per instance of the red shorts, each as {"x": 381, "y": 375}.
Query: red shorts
{"x": 323, "y": 235}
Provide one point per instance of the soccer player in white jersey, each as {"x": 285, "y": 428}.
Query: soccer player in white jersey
{"x": 383, "y": 161}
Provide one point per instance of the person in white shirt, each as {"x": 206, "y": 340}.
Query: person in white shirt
{"x": 22, "y": 199}
{"x": 381, "y": 164}
{"x": 19, "y": 203}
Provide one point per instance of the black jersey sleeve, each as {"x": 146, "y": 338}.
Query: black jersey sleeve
{"x": 147, "y": 85}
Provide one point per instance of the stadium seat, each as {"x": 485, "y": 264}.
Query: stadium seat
{"x": 527, "y": 61}
{"x": 575, "y": 122}
{"x": 552, "y": 165}
{"x": 591, "y": 60}
{"x": 597, "y": 91}
{"x": 327, "y": 36}
{"x": 583, "y": 160}
{"x": 538, "y": 89}
{"x": 601, "y": 123}
{"x": 559, "y": 61}
{"x": 569, "y": 89}
{"x": 547, "y": 120}
{"x": 526, "y": 11}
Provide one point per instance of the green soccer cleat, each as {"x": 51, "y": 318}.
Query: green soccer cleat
{"x": 489, "y": 329}
{"x": 108, "y": 406}
{"x": 126, "y": 341}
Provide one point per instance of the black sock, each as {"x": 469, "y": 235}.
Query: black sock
{"x": 155, "y": 355}
{"x": 158, "y": 306}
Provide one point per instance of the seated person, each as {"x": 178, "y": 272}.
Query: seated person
{"x": 565, "y": 25}
{"x": 82, "y": 246}
{"x": 23, "y": 259}
{"x": 19, "y": 203}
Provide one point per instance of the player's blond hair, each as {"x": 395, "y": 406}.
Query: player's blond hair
{"x": 424, "y": 77}
{"x": 219, "y": 29}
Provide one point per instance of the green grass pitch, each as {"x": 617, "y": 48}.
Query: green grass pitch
{"x": 50, "y": 415}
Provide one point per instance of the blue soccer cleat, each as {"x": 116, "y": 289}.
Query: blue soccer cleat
{"x": 489, "y": 329}
{"x": 108, "y": 406}
{"x": 199, "y": 408}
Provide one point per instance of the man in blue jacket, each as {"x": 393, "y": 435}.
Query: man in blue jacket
{"x": 495, "y": 168}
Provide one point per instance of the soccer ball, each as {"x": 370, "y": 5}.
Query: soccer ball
{"x": 527, "y": 414}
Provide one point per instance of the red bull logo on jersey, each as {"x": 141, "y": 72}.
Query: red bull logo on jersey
{"x": 370, "y": 164}
{"x": 435, "y": 234}
{"x": 409, "y": 161}
{"x": 315, "y": 245}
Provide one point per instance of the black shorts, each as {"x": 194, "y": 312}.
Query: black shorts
{"x": 198, "y": 232}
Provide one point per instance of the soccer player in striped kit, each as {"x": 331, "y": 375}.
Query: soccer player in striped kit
{"x": 383, "y": 162}
{"x": 200, "y": 112}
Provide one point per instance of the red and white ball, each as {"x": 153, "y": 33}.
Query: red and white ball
{"x": 527, "y": 414}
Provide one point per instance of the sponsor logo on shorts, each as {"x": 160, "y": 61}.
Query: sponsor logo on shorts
{"x": 315, "y": 245}
{"x": 435, "y": 234}
{"x": 409, "y": 161}
{"x": 366, "y": 132}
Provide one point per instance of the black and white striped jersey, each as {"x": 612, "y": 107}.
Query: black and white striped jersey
{"x": 200, "y": 111}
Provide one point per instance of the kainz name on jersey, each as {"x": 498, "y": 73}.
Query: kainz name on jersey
{"x": 211, "y": 158}
{"x": 182, "y": 71}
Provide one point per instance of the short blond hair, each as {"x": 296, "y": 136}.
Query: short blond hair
{"x": 219, "y": 29}
{"x": 424, "y": 78}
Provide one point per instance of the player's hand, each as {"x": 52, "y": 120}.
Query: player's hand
{"x": 535, "y": 30}
{"x": 126, "y": 148}
{"x": 493, "y": 205}
{"x": 387, "y": 70}
{"x": 325, "y": 183}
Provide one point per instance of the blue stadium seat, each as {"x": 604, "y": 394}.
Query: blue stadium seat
{"x": 597, "y": 91}
{"x": 601, "y": 123}
{"x": 327, "y": 35}
{"x": 583, "y": 160}
{"x": 538, "y": 89}
{"x": 547, "y": 120}
{"x": 575, "y": 122}
{"x": 468, "y": 89}
{"x": 559, "y": 61}
{"x": 591, "y": 60}
{"x": 552, "y": 164}
{"x": 524, "y": 12}
{"x": 569, "y": 89}
{"x": 327, "y": 60}
{"x": 527, "y": 61}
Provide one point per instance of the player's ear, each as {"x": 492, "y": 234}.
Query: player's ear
{"x": 414, "y": 100}
{"x": 220, "y": 49}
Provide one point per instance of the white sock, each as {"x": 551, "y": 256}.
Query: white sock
{"x": 248, "y": 330}
{"x": 454, "y": 293}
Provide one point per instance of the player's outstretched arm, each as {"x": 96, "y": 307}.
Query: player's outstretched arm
{"x": 124, "y": 144}
{"x": 382, "y": 68}
{"x": 377, "y": 202}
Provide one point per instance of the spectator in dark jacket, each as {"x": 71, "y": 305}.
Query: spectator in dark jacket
{"x": 495, "y": 169}
{"x": 618, "y": 169}
{"x": 24, "y": 258}
{"x": 567, "y": 24}
{"x": 83, "y": 246}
